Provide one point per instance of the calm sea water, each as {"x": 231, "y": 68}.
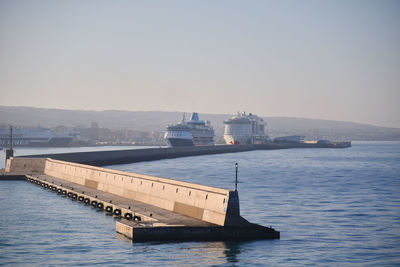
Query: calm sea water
{"x": 333, "y": 207}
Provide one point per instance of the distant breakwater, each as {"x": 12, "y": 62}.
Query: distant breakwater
{"x": 115, "y": 157}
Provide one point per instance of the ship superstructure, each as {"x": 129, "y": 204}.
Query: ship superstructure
{"x": 245, "y": 129}
{"x": 34, "y": 137}
{"x": 194, "y": 132}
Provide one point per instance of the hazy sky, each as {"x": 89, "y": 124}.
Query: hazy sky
{"x": 337, "y": 60}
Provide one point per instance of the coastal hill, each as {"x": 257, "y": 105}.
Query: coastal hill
{"x": 155, "y": 121}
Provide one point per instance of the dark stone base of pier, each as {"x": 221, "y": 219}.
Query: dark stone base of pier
{"x": 185, "y": 233}
{"x": 11, "y": 176}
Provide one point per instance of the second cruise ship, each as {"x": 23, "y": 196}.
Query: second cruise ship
{"x": 194, "y": 132}
{"x": 245, "y": 129}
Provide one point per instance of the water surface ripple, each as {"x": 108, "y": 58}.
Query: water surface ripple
{"x": 332, "y": 206}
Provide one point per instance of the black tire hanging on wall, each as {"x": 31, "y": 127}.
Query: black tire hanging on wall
{"x": 117, "y": 212}
{"x": 128, "y": 216}
{"x": 109, "y": 209}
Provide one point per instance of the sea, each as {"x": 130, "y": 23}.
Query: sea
{"x": 333, "y": 207}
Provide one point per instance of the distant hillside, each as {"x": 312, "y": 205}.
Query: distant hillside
{"x": 157, "y": 120}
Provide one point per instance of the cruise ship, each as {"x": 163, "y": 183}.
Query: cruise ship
{"x": 33, "y": 137}
{"x": 245, "y": 129}
{"x": 194, "y": 132}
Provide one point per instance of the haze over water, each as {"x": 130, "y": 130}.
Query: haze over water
{"x": 333, "y": 207}
{"x": 335, "y": 60}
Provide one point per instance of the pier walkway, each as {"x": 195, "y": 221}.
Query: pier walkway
{"x": 147, "y": 208}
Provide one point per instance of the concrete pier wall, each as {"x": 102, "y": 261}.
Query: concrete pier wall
{"x": 112, "y": 157}
{"x": 210, "y": 204}
{"x": 26, "y": 165}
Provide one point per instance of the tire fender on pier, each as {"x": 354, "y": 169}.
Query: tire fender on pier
{"x": 117, "y": 212}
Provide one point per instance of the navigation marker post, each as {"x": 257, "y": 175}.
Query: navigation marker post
{"x": 236, "y": 170}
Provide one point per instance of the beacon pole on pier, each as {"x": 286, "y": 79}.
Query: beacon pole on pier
{"x": 10, "y": 151}
{"x": 236, "y": 171}
{"x": 11, "y": 137}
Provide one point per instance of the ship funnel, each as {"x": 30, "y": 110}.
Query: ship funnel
{"x": 195, "y": 116}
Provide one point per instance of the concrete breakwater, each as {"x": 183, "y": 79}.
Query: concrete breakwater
{"x": 103, "y": 158}
{"x": 151, "y": 208}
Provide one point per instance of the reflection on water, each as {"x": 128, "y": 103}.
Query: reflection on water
{"x": 333, "y": 208}
{"x": 232, "y": 250}
{"x": 206, "y": 253}
{"x": 212, "y": 253}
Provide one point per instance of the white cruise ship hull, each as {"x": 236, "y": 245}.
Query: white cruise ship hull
{"x": 245, "y": 129}
{"x": 179, "y": 142}
{"x": 194, "y": 132}
{"x": 237, "y": 139}
{"x": 193, "y": 140}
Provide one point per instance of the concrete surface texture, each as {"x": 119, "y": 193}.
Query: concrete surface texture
{"x": 102, "y": 158}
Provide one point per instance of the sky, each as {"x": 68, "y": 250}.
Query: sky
{"x": 334, "y": 60}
